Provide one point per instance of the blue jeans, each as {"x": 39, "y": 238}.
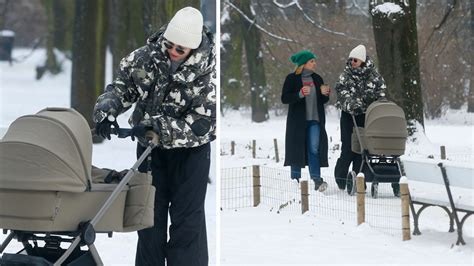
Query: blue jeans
{"x": 313, "y": 129}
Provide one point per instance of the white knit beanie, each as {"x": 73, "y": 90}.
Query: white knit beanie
{"x": 358, "y": 52}
{"x": 185, "y": 28}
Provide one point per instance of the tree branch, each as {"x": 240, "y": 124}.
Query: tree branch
{"x": 298, "y": 5}
{"x": 253, "y": 22}
{"x": 438, "y": 27}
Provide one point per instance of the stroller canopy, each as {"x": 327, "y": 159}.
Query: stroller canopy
{"x": 385, "y": 119}
{"x": 51, "y": 150}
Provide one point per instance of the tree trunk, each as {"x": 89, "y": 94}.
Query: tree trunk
{"x": 397, "y": 51}
{"x": 169, "y": 8}
{"x": 256, "y": 70}
{"x": 63, "y": 24}
{"x": 3, "y": 13}
{"x": 151, "y": 20}
{"x": 88, "y": 58}
{"x": 470, "y": 100}
{"x": 231, "y": 61}
{"x": 127, "y": 29}
{"x": 51, "y": 65}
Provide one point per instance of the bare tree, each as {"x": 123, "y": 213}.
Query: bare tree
{"x": 396, "y": 41}
{"x": 470, "y": 101}
{"x": 51, "y": 65}
{"x": 3, "y": 12}
{"x": 255, "y": 66}
{"x": 88, "y": 58}
{"x": 231, "y": 59}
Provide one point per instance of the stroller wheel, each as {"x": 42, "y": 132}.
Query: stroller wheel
{"x": 374, "y": 190}
{"x": 350, "y": 183}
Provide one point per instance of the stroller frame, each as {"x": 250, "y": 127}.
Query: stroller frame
{"x": 86, "y": 233}
{"x": 369, "y": 159}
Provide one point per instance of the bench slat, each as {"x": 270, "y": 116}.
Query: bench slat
{"x": 459, "y": 175}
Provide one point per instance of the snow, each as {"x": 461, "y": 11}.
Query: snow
{"x": 7, "y": 33}
{"x": 21, "y": 94}
{"x": 225, "y": 37}
{"x": 262, "y": 235}
{"x": 388, "y": 9}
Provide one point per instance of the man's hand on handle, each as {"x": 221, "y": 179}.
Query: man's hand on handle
{"x": 104, "y": 128}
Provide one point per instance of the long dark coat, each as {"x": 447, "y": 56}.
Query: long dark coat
{"x": 295, "y": 140}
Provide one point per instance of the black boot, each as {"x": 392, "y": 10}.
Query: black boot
{"x": 320, "y": 185}
{"x": 396, "y": 189}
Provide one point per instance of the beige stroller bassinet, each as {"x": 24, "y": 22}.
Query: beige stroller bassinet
{"x": 47, "y": 187}
{"x": 381, "y": 142}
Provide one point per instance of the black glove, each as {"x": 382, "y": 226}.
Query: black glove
{"x": 104, "y": 128}
{"x": 357, "y": 111}
{"x": 115, "y": 177}
{"x": 139, "y": 132}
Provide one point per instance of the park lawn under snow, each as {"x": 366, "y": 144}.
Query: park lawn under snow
{"x": 257, "y": 235}
{"x": 21, "y": 94}
{"x": 260, "y": 235}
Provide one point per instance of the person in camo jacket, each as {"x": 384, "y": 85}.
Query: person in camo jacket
{"x": 172, "y": 80}
{"x": 358, "y": 86}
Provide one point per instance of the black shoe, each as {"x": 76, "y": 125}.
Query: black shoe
{"x": 396, "y": 189}
{"x": 396, "y": 192}
{"x": 341, "y": 185}
{"x": 349, "y": 186}
{"x": 320, "y": 185}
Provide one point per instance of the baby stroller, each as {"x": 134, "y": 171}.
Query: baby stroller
{"x": 49, "y": 191}
{"x": 381, "y": 144}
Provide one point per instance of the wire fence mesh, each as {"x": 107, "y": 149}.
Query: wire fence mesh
{"x": 282, "y": 194}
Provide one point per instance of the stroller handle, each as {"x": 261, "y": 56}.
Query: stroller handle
{"x": 150, "y": 135}
{"x": 121, "y": 132}
{"x": 356, "y": 129}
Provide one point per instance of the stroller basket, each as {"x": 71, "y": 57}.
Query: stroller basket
{"x": 385, "y": 130}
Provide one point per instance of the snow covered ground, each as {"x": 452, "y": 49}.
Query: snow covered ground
{"x": 21, "y": 94}
{"x": 253, "y": 236}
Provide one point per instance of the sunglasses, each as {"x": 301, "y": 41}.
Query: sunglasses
{"x": 179, "y": 49}
{"x": 355, "y": 60}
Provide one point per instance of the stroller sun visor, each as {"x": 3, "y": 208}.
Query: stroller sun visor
{"x": 51, "y": 150}
{"x": 385, "y": 128}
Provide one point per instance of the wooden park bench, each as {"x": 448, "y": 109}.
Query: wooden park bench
{"x": 441, "y": 183}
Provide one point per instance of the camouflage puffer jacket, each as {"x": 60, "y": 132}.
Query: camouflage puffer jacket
{"x": 180, "y": 106}
{"x": 357, "y": 88}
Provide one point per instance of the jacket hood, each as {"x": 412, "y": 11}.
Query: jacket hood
{"x": 369, "y": 66}
{"x": 200, "y": 61}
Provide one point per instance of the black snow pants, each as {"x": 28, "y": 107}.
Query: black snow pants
{"x": 347, "y": 156}
{"x": 180, "y": 178}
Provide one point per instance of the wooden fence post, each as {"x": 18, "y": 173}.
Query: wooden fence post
{"x": 256, "y": 185}
{"x": 254, "y": 148}
{"x": 360, "y": 198}
{"x": 277, "y": 157}
{"x": 232, "y": 147}
{"x": 304, "y": 196}
{"x": 405, "y": 208}
{"x": 443, "y": 152}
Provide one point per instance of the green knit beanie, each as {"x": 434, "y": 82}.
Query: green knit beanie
{"x": 301, "y": 57}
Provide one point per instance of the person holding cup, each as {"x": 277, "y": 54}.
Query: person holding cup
{"x": 306, "y": 141}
